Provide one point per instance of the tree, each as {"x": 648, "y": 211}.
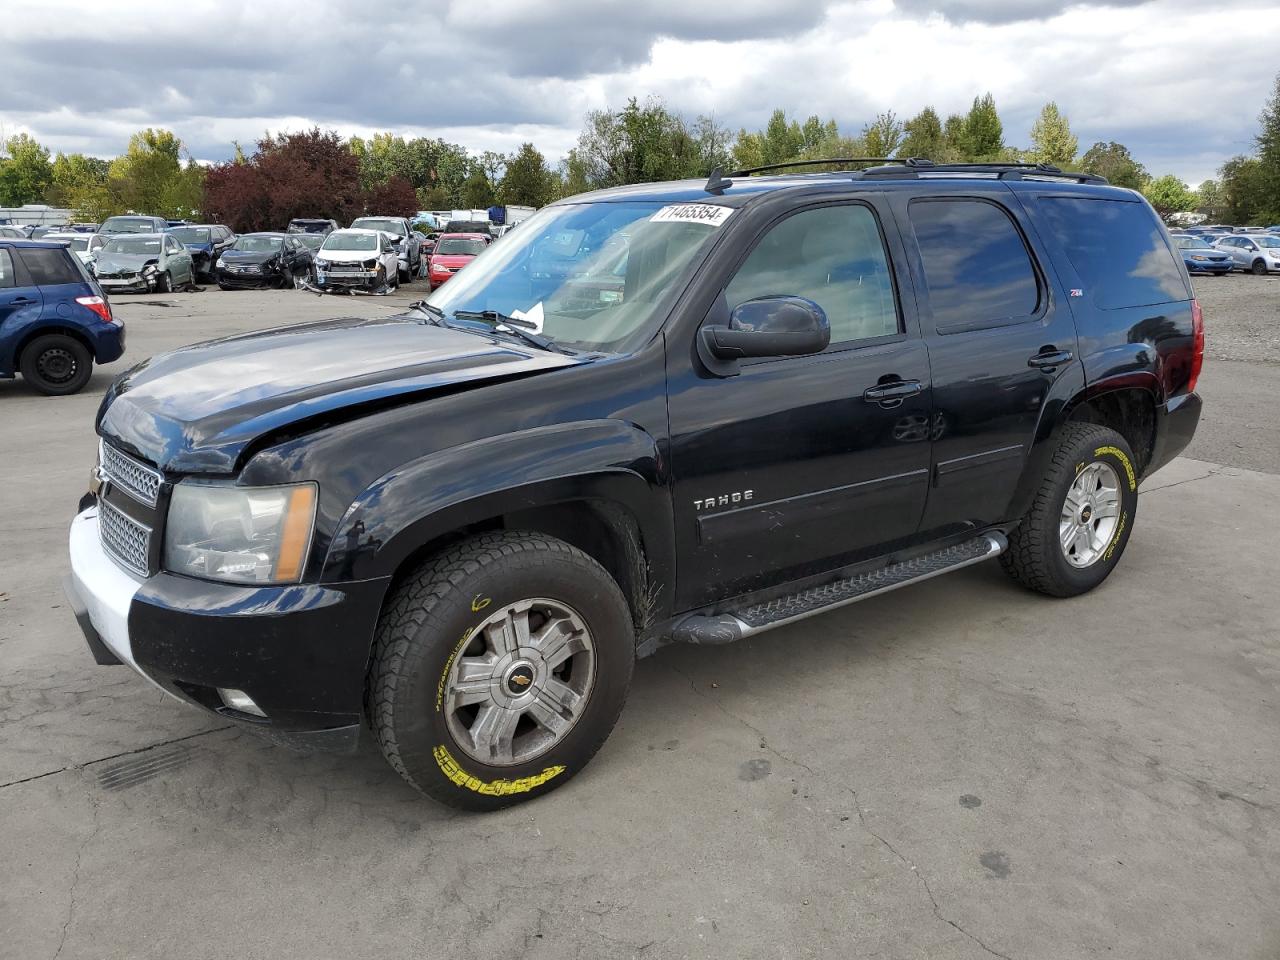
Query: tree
{"x": 711, "y": 144}
{"x": 1209, "y": 199}
{"x": 883, "y": 135}
{"x": 527, "y": 181}
{"x": 983, "y": 136}
{"x": 1268, "y": 140}
{"x": 1113, "y": 161}
{"x": 637, "y": 144}
{"x": 25, "y": 172}
{"x": 477, "y": 192}
{"x": 1168, "y": 195}
{"x": 953, "y": 137}
{"x": 1051, "y": 138}
{"x": 395, "y": 198}
{"x": 1243, "y": 189}
{"x": 922, "y": 136}
{"x": 79, "y": 182}
{"x": 150, "y": 177}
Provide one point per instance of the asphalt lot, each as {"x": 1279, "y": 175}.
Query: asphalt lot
{"x": 959, "y": 770}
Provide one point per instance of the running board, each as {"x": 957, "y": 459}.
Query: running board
{"x": 757, "y": 618}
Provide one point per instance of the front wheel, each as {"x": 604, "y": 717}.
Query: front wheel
{"x": 1259, "y": 268}
{"x": 165, "y": 283}
{"x": 499, "y": 668}
{"x": 1081, "y": 517}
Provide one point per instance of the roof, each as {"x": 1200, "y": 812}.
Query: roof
{"x": 41, "y": 244}
{"x": 466, "y": 236}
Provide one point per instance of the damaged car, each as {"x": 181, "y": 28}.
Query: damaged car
{"x": 143, "y": 263}
{"x": 263, "y": 260}
{"x": 355, "y": 259}
{"x": 206, "y": 242}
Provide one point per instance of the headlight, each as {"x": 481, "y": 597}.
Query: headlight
{"x": 371, "y": 264}
{"x": 239, "y": 534}
{"x": 1195, "y": 256}
{"x": 220, "y": 263}
{"x": 322, "y": 264}
{"x": 149, "y": 269}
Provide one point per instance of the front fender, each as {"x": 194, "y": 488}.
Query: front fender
{"x": 435, "y": 495}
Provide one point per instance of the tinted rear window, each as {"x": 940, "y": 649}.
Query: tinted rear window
{"x": 49, "y": 267}
{"x": 1119, "y": 250}
{"x": 977, "y": 268}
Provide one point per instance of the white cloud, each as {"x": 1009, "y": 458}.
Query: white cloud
{"x": 1181, "y": 87}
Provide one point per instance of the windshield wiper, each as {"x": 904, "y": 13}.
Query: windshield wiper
{"x": 520, "y": 328}
{"x": 434, "y": 313}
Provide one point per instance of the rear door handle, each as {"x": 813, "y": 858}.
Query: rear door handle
{"x": 893, "y": 393}
{"x": 1050, "y": 358}
{"x": 22, "y": 300}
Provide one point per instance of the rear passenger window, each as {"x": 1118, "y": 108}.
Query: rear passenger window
{"x": 6, "y": 271}
{"x": 1119, "y": 250}
{"x": 977, "y": 268}
{"x": 833, "y": 256}
{"x": 49, "y": 267}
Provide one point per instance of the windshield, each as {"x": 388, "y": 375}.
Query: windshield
{"x": 308, "y": 226}
{"x": 460, "y": 247}
{"x": 253, "y": 244}
{"x": 132, "y": 245}
{"x": 1190, "y": 243}
{"x": 76, "y": 243}
{"x": 376, "y": 223}
{"x": 191, "y": 234}
{"x": 129, "y": 225}
{"x": 311, "y": 241}
{"x": 350, "y": 241}
{"x": 589, "y": 276}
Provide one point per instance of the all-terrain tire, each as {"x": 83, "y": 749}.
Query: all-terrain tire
{"x": 1036, "y": 557}
{"x": 431, "y": 618}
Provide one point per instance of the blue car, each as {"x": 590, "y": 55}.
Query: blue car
{"x": 1200, "y": 256}
{"x": 205, "y": 242}
{"x": 55, "y": 321}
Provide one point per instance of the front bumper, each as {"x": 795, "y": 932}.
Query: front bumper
{"x": 299, "y": 651}
{"x": 1209, "y": 266}
{"x": 1176, "y": 423}
{"x": 359, "y": 279}
{"x": 135, "y": 284}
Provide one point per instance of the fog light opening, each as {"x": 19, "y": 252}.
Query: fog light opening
{"x": 241, "y": 701}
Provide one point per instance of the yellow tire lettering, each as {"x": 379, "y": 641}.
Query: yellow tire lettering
{"x": 1120, "y": 455}
{"x": 478, "y": 603}
{"x": 490, "y": 788}
{"x": 1111, "y": 547}
{"x": 448, "y": 665}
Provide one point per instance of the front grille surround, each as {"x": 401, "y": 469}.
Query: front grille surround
{"x": 125, "y": 540}
{"x": 132, "y": 476}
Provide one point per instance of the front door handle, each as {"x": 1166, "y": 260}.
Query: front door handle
{"x": 891, "y": 394}
{"x": 1049, "y": 358}
{"x": 22, "y": 300}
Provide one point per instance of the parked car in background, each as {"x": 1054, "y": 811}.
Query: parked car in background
{"x": 357, "y": 259}
{"x": 12, "y": 233}
{"x": 407, "y": 241}
{"x": 453, "y": 252}
{"x": 305, "y": 225}
{"x": 39, "y": 233}
{"x": 133, "y": 224}
{"x": 206, "y": 242}
{"x": 142, "y": 263}
{"x": 1257, "y": 253}
{"x": 85, "y": 227}
{"x": 77, "y": 243}
{"x": 55, "y": 322}
{"x": 1201, "y": 256}
{"x": 263, "y": 260}
{"x": 312, "y": 241}
{"x": 482, "y": 227}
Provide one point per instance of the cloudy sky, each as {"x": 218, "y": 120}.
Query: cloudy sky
{"x": 1180, "y": 83}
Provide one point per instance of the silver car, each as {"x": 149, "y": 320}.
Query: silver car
{"x": 1257, "y": 253}
{"x": 142, "y": 263}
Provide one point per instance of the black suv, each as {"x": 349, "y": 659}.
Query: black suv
{"x": 683, "y": 412}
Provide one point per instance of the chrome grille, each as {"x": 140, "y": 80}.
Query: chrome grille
{"x": 127, "y": 541}
{"x": 132, "y": 476}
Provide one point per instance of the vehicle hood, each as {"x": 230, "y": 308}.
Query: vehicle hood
{"x": 248, "y": 256}
{"x": 347, "y": 256}
{"x": 124, "y": 262}
{"x": 452, "y": 259}
{"x": 1201, "y": 251}
{"x": 197, "y": 409}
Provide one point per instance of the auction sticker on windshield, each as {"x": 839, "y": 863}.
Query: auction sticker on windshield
{"x": 707, "y": 213}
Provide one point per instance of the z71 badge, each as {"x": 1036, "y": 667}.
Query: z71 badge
{"x": 724, "y": 500}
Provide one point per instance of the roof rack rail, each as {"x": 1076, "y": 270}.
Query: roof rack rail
{"x": 809, "y": 163}
{"x": 913, "y": 166}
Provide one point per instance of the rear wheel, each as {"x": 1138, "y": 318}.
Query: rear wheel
{"x": 56, "y": 364}
{"x": 1082, "y": 515}
{"x": 1259, "y": 267}
{"x": 499, "y": 668}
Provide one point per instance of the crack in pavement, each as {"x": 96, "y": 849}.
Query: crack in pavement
{"x": 123, "y": 753}
{"x": 75, "y": 875}
{"x": 1213, "y": 472}
{"x": 766, "y": 744}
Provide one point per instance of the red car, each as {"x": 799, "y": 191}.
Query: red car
{"x": 453, "y": 252}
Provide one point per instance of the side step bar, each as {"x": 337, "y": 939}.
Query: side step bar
{"x": 757, "y": 618}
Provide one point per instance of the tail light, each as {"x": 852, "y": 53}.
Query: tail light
{"x": 1197, "y": 337}
{"x": 98, "y": 306}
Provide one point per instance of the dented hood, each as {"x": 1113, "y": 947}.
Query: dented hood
{"x": 197, "y": 409}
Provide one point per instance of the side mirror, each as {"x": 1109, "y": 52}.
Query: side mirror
{"x": 767, "y": 327}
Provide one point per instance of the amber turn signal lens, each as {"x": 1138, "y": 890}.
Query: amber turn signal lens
{"x": 296, "y": 533}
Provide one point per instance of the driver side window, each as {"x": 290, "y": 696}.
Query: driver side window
{"x": 833, "y": 256}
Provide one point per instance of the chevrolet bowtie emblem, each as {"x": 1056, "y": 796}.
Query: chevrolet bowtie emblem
{"x": 520, "y": 681}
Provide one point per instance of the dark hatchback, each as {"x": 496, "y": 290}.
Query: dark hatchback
{"x": 679, "y": 412}
{"x": 263, "y": 260}
{"x": 55, "y": 321}
{"x": 205, "y": 242}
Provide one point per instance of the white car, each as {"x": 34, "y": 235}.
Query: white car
{"x": 81, "y": 244}
{"x": 1257, "y": 253}
{"x": 354, "y": 259}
